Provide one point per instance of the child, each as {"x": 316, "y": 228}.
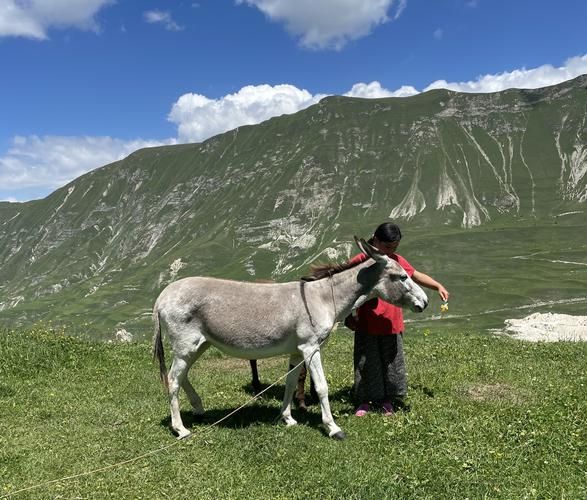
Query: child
{"x": 380, "y": 369}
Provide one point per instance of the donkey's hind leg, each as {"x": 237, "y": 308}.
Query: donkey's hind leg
{"x": 191, "y": 393}
{"x": 177, "y": 373}
{"x": 178, "y": 378}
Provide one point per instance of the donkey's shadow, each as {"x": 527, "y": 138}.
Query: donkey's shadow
{"x": 259, "y": 413}
{"x": 245, "y": 417}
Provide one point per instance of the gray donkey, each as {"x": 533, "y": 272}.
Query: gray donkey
{"x": 259, "y": 320}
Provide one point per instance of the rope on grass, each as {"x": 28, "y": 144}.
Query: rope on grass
{"x": 163, "y": 448}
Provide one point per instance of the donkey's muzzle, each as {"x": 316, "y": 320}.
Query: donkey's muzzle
{"x": 420, "y": 306}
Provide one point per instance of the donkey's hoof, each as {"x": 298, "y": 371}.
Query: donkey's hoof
{"x": 183, "y": 434}
{"x": 289, "y": 421}
{"x": 339, "y": 436}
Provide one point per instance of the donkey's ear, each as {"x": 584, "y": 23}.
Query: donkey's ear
{"x": 362, "y": 246}
{"x": 369, "y": 250}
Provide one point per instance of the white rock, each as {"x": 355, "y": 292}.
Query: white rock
{"x": 547, "y": 327}
{"x": 123, "y": 336}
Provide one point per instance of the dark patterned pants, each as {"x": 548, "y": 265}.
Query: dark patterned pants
{"x": 380, "y": 368}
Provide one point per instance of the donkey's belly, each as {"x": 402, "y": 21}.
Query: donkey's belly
{"x": 252, "y": 345}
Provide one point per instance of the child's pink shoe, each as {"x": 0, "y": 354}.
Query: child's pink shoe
{"x": 362, "y": 410}
{"x": 387, "y": 409}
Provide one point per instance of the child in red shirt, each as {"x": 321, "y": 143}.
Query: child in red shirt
{"x": 379, "y": 364}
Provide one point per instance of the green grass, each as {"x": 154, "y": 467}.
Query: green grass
{"x": 489, "y": 418}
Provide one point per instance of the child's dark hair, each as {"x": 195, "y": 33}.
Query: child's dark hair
{"x": 387, "y": 232}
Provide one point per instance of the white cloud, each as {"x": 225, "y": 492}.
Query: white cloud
{"x": 198, "y": 117}
{"x": 161, "y": 17}
{"x": 374, "y": 90}
{"x": 322, "y": 24}
{"x": 543, "y": 76}
{"x": 438, "y": 33}
{"x": 52, "y": 161}
{"x": 33, "y": 18}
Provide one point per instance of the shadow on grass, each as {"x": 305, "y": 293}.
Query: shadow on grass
{"x": 343, "y": 396}
{"x": 258, "y": 413}
{"x": 245, "y": 417}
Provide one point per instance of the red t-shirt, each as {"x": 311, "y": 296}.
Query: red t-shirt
{"x": 376, "y": 316}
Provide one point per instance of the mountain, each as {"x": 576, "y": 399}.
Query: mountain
{"x": 264, "y": 201}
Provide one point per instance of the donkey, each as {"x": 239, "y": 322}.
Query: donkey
{"x": 254, "y": 321}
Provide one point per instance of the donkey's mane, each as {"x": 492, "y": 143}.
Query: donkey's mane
{"x": 320, "y": 271}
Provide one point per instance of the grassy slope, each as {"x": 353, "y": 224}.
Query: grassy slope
{"x": 490, "y": 417}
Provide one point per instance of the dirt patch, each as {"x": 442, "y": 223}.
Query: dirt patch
{"x": 547, "y": 327}
{"x": 494, "y": 392}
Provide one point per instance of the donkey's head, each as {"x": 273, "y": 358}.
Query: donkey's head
{"x": 394, "y": 284}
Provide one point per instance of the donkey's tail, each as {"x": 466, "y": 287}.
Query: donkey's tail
{"x": 158, "y": 352}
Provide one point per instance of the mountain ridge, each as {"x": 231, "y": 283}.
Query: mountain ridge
{"x": 263, "y": 201}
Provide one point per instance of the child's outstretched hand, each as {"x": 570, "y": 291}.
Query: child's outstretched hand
{"x": 443, "y": 292}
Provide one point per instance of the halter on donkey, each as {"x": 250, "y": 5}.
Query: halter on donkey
{"x": 254, "y": 321}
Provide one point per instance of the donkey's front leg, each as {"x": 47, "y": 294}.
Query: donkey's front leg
{"x": 314, "y": 363}
{"x": 290, "y": 386}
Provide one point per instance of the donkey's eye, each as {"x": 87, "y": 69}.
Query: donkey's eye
{"x": 403, "y": 278}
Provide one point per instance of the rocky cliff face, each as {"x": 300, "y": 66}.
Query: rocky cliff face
{"x": 264, "y": 201}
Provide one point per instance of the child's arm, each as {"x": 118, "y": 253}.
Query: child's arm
{"x": 429, "y": 282}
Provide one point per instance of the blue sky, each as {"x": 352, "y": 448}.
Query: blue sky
{"x": 86, "y": 82}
